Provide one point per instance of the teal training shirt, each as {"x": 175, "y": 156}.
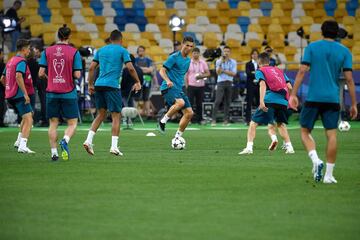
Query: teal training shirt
{"x": 176, "y": 68}
{"x": 326, "y": 60}
{"x": 270, "y": 96}
{"x": 111, "y": 59}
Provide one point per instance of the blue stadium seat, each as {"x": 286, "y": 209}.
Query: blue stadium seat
{"x": 119, "y": 8}
{"x": 191, "y": 34}
{"x": 351, "y": 7}
{"x": 130, "y": 14}
{"x": 44, "y": 11}
{"x": 97, "y": 6}
{"x": 141, "y": 22}
{"x": 233, "y": 3}
{"x": 330, "y": 7}
{"x": 266, "y": 8}
{"x": 120, "y": 21}
{"x": 244, "y": 23}
{"x": 139, "y": 7}
{"x": 169, "y": 3}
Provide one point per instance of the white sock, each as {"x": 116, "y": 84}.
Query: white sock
{"x": 23, "y": 142}
{"x": 274, "y": 138}
{"x": 114, "y": 141}
{"x": 67, "y": 138}
{"x": 90, "y": 136}
{"x": 250, "y": 145}
{"x": 165, "y": 119}
{"x": 178, "y": 133}
{"x": 54, "y": 152}
{"x": 19, "y": 137}
{"x": 288, "y": 144}
{"x": 314, "y": 157}
{"x": 329, "y": 169}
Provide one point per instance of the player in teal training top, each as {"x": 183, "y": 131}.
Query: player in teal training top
{"x": 173, "y": 72}
{"x": 111, "y": 59}
{"x": 325, "y": 59}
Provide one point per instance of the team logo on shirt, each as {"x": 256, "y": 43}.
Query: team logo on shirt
{"x": 58, "y": 66}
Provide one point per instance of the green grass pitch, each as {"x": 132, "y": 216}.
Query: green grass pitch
{"x": 206, "y": 192}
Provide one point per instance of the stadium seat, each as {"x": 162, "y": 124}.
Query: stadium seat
{"x": 97, "y": 6}
{"x": 109, "y": 27}
{"x": 45, "y": 13}
{"x": 143, "y": 42}
{"x": 202, "y": 21}
{"x": 153, "y": 28}
{"x": 88, "y": 14}
{"x": 318, "y": 15}
{"x": 134, "y": 29}
{"x": 181, "y": 8}
{"x": 167, "y": 45}
{"x": 309, "y": 8}
{"x": 254, "y": 43}
{"x": 244, "y": 23}
{"x": 266, "y": 8}
{"x": 315, "y": 36}
{"x": 97, "y": 43}
{"x": 287, "y": 7}
{"x": 149, "y": 36}
{"x": 139, "y": 8}
{"x": 244, "y": 8}
{"x": 351, "y": 7}
{"x": 330, "y": 7}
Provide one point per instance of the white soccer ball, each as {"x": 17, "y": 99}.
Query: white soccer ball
{"x": 344, "y": 126}
{"x": 178, "y": 143}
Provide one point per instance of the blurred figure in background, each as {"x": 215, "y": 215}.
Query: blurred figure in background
{"x": 252, "y": 89}
{"x": 147, "y": 67}
{"x": 127, "y": 83}
{"x": 226, "y": 69}
{"x": 12, "y": 13}
{"x": 2, "y": 91}
{"x": 274, "y": 57}
{"x": 195, "y": 82}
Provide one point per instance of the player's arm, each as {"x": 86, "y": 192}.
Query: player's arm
{"x": 298, "y": 81}
{"x": 164, "y": 75}
{"x": 351, "y": 88}
{"x": 262, "y": 96}
{"x": 134, "y": 75}
{"x": 91, "y": 74}
{"x": 233, "y": 70}
{"x": 219, "y": 70}
{"x": 43, "y": 65}
{"x": 21, "y": 84}
{"x": 3, "y": 76}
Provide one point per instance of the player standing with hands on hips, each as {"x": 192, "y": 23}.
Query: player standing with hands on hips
{"x": 173, "y": 72}
{"x": 325, "y": 59}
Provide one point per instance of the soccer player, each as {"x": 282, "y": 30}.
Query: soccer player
{"x": 325, "y": 59}
{"x": 274, "y": 88}
{"x": 63, "y": 64}
{"x": 173, "y": 72}
{"x": 107, "y": 88}
{"x": 18, "y": 86}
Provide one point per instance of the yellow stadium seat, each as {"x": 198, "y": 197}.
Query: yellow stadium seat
{"x": 67, "y": 13}
{"x": 88, "y": 14}
{"x": 35, "y": 19}
{"x": 103, "y": 35}
{"x": 76, "y": 42}
{"x": 254, "y": 27}
{"x": 318, "y": 15}
{"x": 53, "y": 4}
{"x": 97, "y": 43}
{"x": 50, "y": 27}
{"x": 212, "y": 14}
{"x": 57, "y": 19}
{"x": 255, "y": 3}
{"x": 100, "y": 22}
{"x": 200, "y": 5}
{"x": 254, "y": 43}
{"x": 309, "y": 8}
{"x": 127, "y": 3}
{"x": 223, "y": 22}
{"x": 306, "y": 22}
{"x": 243, "y": 8}
{"x": 191, "y": 3}
{"x": 233, "y": 43}
{"x": 49, "y": 38}
{"x": 233, "y": 15}
{"x": 287, "y": 7}
{"x": 159, "y": 5}
{"x": 264, "y": 23}
{"x": 290, "y": 52}
{"x": 277, "y": 13}
{"x": 339, "y": 14}
{"x": 275, "y": 28}
{"x": 36, "y": 30}
{"x": 149, "y": 36}
{"x": 348, "y": 20}
{"x": 315, "y": 36}
{"x": 349, "y": 43}
{"x": 143, "y": 42}
{"x": 356, "y": 50}
{"x": 31, "y": 4}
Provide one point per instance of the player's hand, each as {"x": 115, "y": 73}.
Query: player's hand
{"x": 263, "y": 107}
{"x": 170, "y": 84}
{"x": 27, "y": 99}
{"x": 91, "y": 89}
{"x": 293, "y": 102}
{"x": 353, "y": 112}
{"x": 136, "y": 87}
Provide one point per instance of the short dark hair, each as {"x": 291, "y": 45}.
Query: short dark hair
{"x": 18, "y": 2}
{"x": 140, "y": 47}
{"x": 115, "y": 35}
{"x": 177, "y": 43}
{"x": 264, "y": 58}
{"x": 64, "y": 32}
{"x": 188, "y": 39}
{"x": 196, "y": 50}
{"x": 227, "y": 47}
{"x": 21, "y": 43}
{"x": 330, "y": 29}
{"x": 254, "y": 50}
